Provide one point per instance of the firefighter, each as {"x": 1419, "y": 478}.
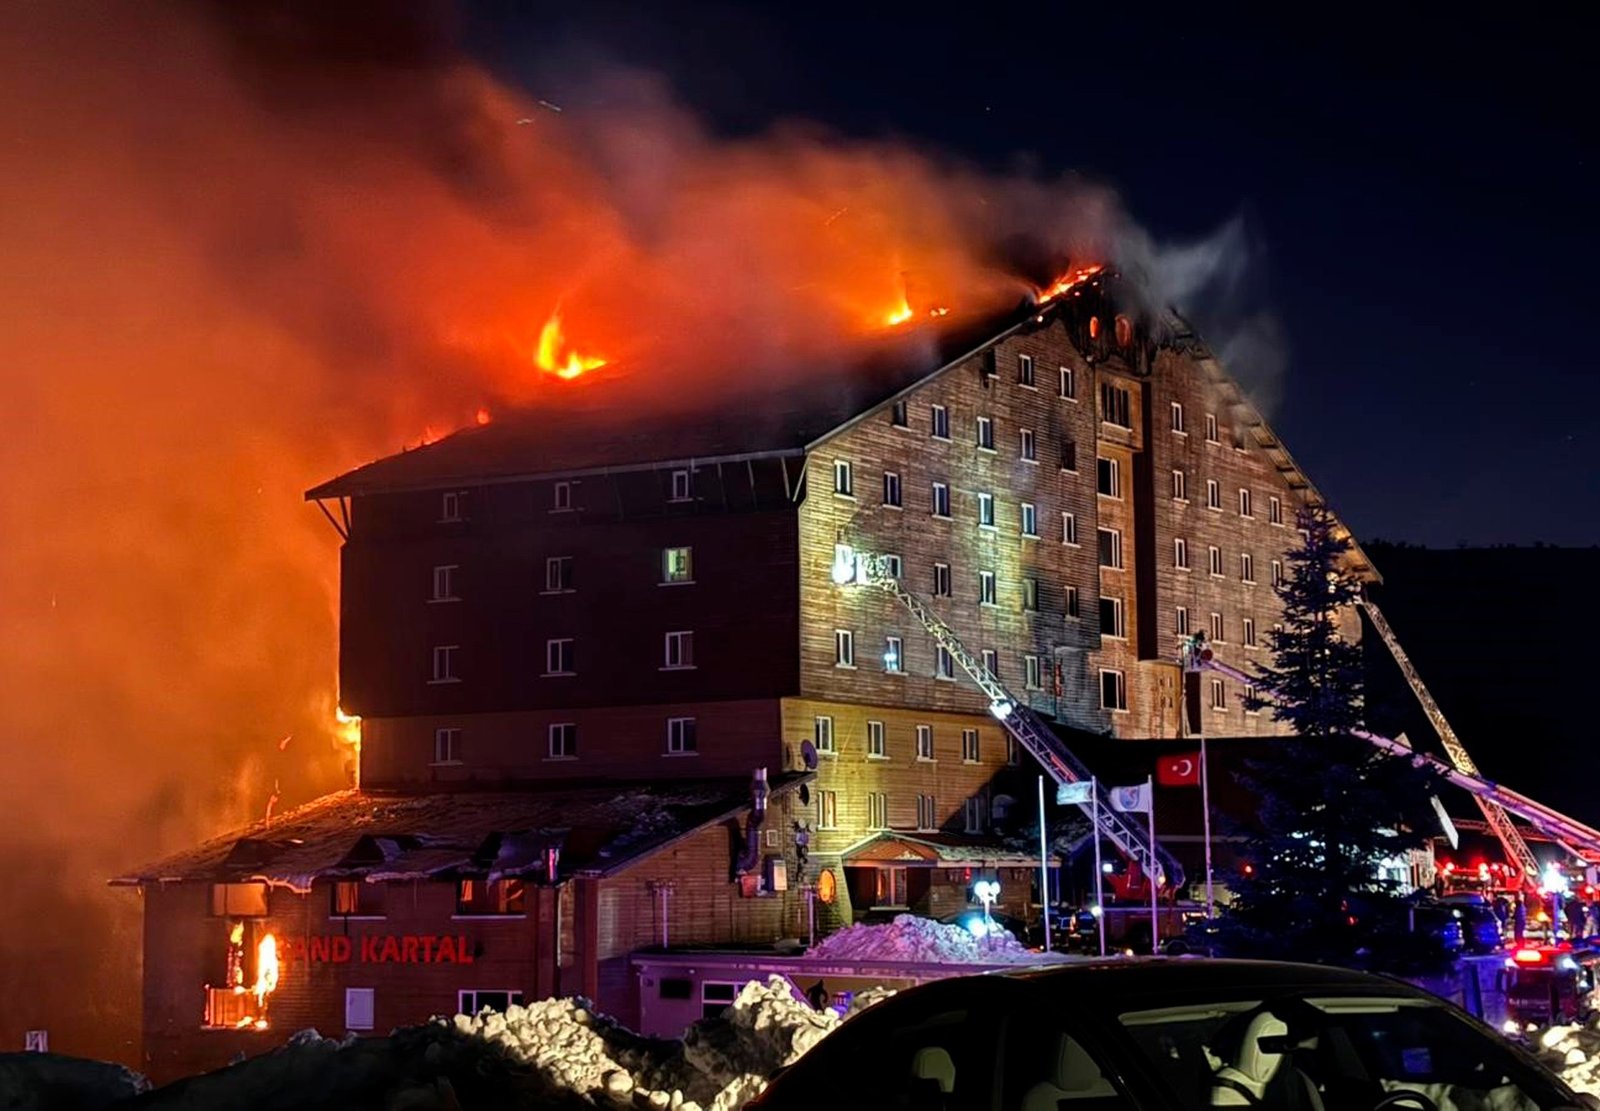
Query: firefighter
{"x": 1519, "y": 919}
{"x": 1577, "y": 913}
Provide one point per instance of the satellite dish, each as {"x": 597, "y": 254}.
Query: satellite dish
{"x": 805, "y": 795}
{"x": 808, "y": 755}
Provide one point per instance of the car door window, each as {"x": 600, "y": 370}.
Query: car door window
{"x": 1047, "y": 1067}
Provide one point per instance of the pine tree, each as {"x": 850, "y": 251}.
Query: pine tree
{"x": 1332, "y": 808}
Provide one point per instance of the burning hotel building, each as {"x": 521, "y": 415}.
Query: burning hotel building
{"x": 614, "y": 699}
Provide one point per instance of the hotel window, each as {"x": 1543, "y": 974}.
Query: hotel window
{"x": 941, "y": 500}
{"x": 985, "y": 433}
{"x": 927, "y": 814}
{"x": 944, "y": 666}
{"x": 899, "y": 416}
{"x": 444, "y": 583}
{"x": 1180, "y": 621}
{"x": 1246, "y": 507}
{"x": 827, "y": 810}
{"x": 1030, "y": 595}
{"x": 1069, "y": 456}
{"x": 986, "y": 511}
{"x": 1177, "y": 418}
{"x": 558, "y": 575}
{"x": 1111, "y": 619}
{"x": 358, "y": 1008}
{"x": 1219, "y": 695}
{"x": 1180, "y": 553}
{"x": 1072, "y": 601}
{"x": 1249, "y": 632}
{"x": 1024, "y": 370}
{"x": 447, "y": 746}
{"x": 444, "y": 663}
{"x": 1213, "y": 494}
{"x": 476, "y": 896}
{"x": 681, "y": 736}
{"x": 877, "y": 749}
{"x": 1114, "y": 405}
{"x": 893, "y": 656}
{"x": 450, "y": 507}
{"x": 679, "y": 650}
{"x": 1110, "y": 548}
{"x": 1069, "y": 528}
{"x": 970, "y": 751}
{"x": 1247, "y": 567}
{"x": 940, "y": 423}
{"x": 1180, "y": 486}
{"x": 1030, "y": 520}
{"x": 822, "y": 734}
{"x": 1029, "y": 446}
{"x": 563, "y": 740}
{"x": 680, "y": 485}
{"x": 1214, "y": 560}
{"x": 941, "y": 580}
{"x": 991, "y": 662}
{"x": 877, "y": 810}
{"x": 1211, "y": 428}
{"x": 1274, "y": 511}
{"x": 889, "y": 887}
{"x": 844, "y": 648}
{"x": 472, "y": 1002}
{"x": 560, "y": 656}
{"x": 924, "y": 742}
{"x": 1032, "y": 677}
{"x": 561, "y": 497}
{"x": 1108, "y": 477}
{"x": 1069, "y": 384}
{"x": 843, "y": 478}
{"x": 893, "y": 566}
{"x": 356, "y": 899}
{"x": 972, "y": 815}
{"x": 1277, "y": 573}
{"x": 986, "y": 593}
{"x": 891, "y": 489}
{"x": 677, "y": 565}
{"x": 1216, "y": 629}
{"x": 1113, "y": 690}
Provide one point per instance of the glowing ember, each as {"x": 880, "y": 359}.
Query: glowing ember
{"x": 484, "y": 416}
{"x": 553, "y": 355}
{"x": 1067, "y": 281}
{"x": 899, "y": 315}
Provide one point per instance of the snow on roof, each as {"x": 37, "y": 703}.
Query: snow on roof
{"x": 939, "y": 848}
{"x": 596, "y": 829}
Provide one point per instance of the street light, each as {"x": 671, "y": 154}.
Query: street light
{"x": 987, "y": 892}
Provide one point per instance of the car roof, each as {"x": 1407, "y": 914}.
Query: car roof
{"x": 1127, "y": 979}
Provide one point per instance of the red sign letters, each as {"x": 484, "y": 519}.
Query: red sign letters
{"x": 389, "y": 949}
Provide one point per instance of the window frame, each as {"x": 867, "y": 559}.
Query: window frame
{"x": 844, "y": 649}
{"x": 1214, "y": 561}
{"x": 446, "y": 747}
{"x": 680, "y": 638}
{"x": 844, "y": 478}
{"x": 1119, "y": 624}
{"x": 450, "y": 507}
{"x": 1032, "y": 672}
{"x": 1027, "y": 445}
{"x": 988, "y": 589}
{"x": 971, "y": 746}
{"x": 983, "y": 433}
{"x": 683, "y": 736}
{"x": 1120, "y": 688}
{"x": 893, "y": 491}
{"x": 1178, "y": 428}
{"x": 1068, "y": 384}
{"x": 444, "y": 584}
{"x": 1180, "y": 621}
{"x": 558, "y": 577}
{"x": 941, "y": 501}
{"x": 939, "y": 418}
{"x": 681, "y": 491}
{"x": 567, "y": 732}
{"x": 1025, "y": 371}
{"x": 1108, "y": 472}
{"x": 1116, "y": 563}
{"x": 987, "y": 516}
{"x": 1028, "y": 520}
{"x": 894, "y": 648}
{"x": 1180, "y": 553}
{"x": 561, "y": 497}
{"x": 944, "y": 664}
{"x": 877, "y": 740}
{"x": 824, "y": 737}
{"x": 1069, "y": 528}
{"x": 667, "y": 578}
{"x": 1180, "y": 485}
{"x": 560, "y": 650}
{"x": 445, "y": 658}
{"x": 941, "y": 580}
{"x": 924, "y": 742}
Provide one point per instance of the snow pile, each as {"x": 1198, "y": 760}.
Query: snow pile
{"x": 909, "y": 938}
{"x": 1571, "y": 1051}
{"x": 51, "y": 1082}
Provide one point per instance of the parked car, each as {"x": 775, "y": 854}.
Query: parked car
{"x": 1479, "y": 923}
{"x": 1165, "y": 1034}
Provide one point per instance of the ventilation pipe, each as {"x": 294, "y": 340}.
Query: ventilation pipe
{"x": 759, "y": 791}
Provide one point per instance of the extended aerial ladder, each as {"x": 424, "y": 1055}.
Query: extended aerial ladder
{"x": 1580, "y": 839}
{"x": 852, "y": 567}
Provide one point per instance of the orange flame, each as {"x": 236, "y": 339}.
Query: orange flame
{"x": 266, "y": 974}
{"x": 549, "y": 356}
{"x": 484, "y": 416}
{"x": 349, "y": 728}
{"x": 1067, "y": 281}
{"x": 900, "y": 315}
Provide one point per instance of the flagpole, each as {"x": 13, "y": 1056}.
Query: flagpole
{"x": 1099, "y": 875}
{"x": 1205, "y": 809}
{"x": 1155, "y": 914}
{"x": 1044, "y": 870}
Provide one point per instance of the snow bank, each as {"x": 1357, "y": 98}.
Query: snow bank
{"x": 51, "y": 1082}
{"x": 909, "y": 938}
{"x": 1572, "y": 1051}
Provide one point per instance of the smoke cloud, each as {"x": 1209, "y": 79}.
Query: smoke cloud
{"x": 251, "y": 246}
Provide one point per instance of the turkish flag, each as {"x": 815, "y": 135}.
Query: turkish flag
{"x": 1179, "y": 771}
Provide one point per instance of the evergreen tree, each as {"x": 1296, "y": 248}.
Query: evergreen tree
{"x": 1332, "y": 808}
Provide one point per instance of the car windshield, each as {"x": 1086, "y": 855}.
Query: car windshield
{"x": 1318, "y": 1052}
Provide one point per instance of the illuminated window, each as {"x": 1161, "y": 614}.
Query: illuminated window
{"x": 891, "y": 489}
{"x": 893, "y": 656}
{"x": 681, "y": 489}
{"x": 444, "y": 663}
{"x": 1113, "y": 690}
{"x": 1114, "y": 407}
{"x": 924, "y": 742}
{"x": 1211, "y": 428}
{"x": 941, "y": 500}
{"x": 844, "y": 648}
{"x": 1180, "y": 621}
{"x": 561, "y": 497}
{"x": 450, "y": 506}
{"x": 355, "y": 899}
{"x": 560, "y": 656}
{"x": 562, "y": 741}
{"x": 1069, "y": 528}
{"x": 1030, "y": 595}
{"x": 877, "y": 749}
{"x": 239, "y": 900}
{"x": 986, "y": 589}
{"x": 1111, "y": 619}
{"x": 558, "y": 575}
{"x": 822, "y": 734}
{"x": 677, "y": 565}
{"x": 447, "y": 746}
{"x": 1032, "y": 675}
{"x": 678, "y": 650}
{"x": 940, "y": 423}
{"x": 1069, "y": 384}
{"x": 877, "y": 810}
{"x": 1110, "y": 547}
{"x": 1030, "y": 520}
{"x": 843, "y": 478}
{"x": 1177, "y": 418}
{"x": 985, "y": 434}
{"x": 1028, "y": 446}
{"x": 1108, "y": 477}
{"x": 1124, "y": 328}
{"x": 1246, "y": 506}
{"x": 889, "y": 887}
{"x": 1180, "y": 486}
{"x": 944, "y": 665}
{"x": 827, "y": 810}
{"x": 491, "y": 897}
{"x": 1180, "y": 553}
{"x": 941, "y": 580}
{"x": 986, "y": 510}
{"x": 1025, "y": 370}
{"x": 1219, "y": 695}
{"x": 681, "y": 738}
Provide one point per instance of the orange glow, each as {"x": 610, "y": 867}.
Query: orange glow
{"x": 1066, "y": 282}
{"x": 266, "y": 974}
{"x": 484, "y": 416}
{"x": 550, "y": 357}
{"x": 899, "y": 315}
{"x": 349, "y": 728}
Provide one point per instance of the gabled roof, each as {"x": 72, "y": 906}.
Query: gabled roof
{"x": 597, "y": 829}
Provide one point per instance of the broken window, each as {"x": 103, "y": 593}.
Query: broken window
{"x": 476, "y": 896}
{"x": 239, "y": 900}
{"x": 356, "y": 899}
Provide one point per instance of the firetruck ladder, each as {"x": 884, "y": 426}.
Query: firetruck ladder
{"x": 1584, "y": 840}
{"x": 1516, "y": 849}
{"x": 1028, "y": 729}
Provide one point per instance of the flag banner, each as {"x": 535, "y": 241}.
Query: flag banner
{"x": 1179, "y": 771}
{"x": 1080, "y": 793}
{"x": 1131, "y": 800}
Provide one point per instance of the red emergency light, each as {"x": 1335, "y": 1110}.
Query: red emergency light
{"x": 1530, "y": 956}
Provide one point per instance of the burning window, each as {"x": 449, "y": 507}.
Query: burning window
{"x": 476, "y": 896}
{"x": 891, "y": 489}
{"x": 876, "y": 748}
{"x": 1114, "y": 405}
{"x": 682, "y": 488}
{"x": 1094, "y": 327}
{"x": 1030, "y": 520}
{"x": 558, "y": 575}
{"x": 1069, "y": 528}
{"x": 1032, "y": 675}
{"x": 561, "y": 656}
{"x": 970, "y": 752}
{"x": 985, "y": 434}
{"x": 1110, "y": 548}
{"x": 681, "y": 737}
{"x": 893, "y": 656}
{"x": 1025, "y": 370}
{"x": 250, "y": 976}
{"x": 1180, "y": 553}
{"x": 678, "y": 650}
{"x": 1113, "y": 690}
{"x": 1124, "y": 329}
{"x": 444, "y": 583}
{"x": 356, "y": 899}
{"x": 1111, "y": 619}
{"x": 447, "y": 746}
{"x": 1069, "y": 384}
{"x": 239, "y": 900}
{"x": 889, "y": 887}
{"x": 822, "y": 733}
{"x": 941, "y": 499}
{"x": 986, "y": 588}
{"x": 940, "y": 423}
{"x": 1180, "y": 621}
{"x": 677, "y": 565}
{"x": 444, "y": 663}
{"x": 924, "y": 742}
{"x": 562, "y": 739}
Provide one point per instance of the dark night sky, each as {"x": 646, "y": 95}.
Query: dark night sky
{"x": 1418, "y": 191}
